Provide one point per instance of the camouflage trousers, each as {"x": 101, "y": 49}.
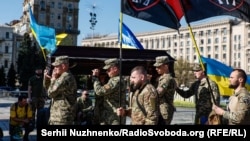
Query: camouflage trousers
{"x": 167, "y": 113}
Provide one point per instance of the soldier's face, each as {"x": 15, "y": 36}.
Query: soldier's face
{"x": 136, "y": 80}
{"x": 233, "y": 80}
{"x": 160, "y": 69}
{"x": 198, "y": 74}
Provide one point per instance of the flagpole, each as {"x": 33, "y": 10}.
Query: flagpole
{"x": 197, "y": 50}
{"x": 120, "y": 37}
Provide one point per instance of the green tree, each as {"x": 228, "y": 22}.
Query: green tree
{"x": 183, "y": 72}
{"x": 2, "y": 77}
{"x": 11, "y": 77}
{"x": 29, "y": 57}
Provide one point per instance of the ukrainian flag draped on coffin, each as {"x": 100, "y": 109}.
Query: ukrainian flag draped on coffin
{"x": 220, "y": 73}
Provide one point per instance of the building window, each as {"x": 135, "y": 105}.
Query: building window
{"x": 69, "y": 27}
{"x": 146, "y": 42}
{"x": 7, "y": 35}
{"x": 209, "y": 41}
{"x": 6, "y": 63}
{"x": 59, "y": 16}
{"x": 181, "y": 44}
{"x": 208, "y": 32}
{"x": 224, "y": 39}
{"x": 59, "y": 5}
{"x": 224, "y": 56}
{"x": 52, "y": 4}
{"x": 216, "y": 40}
{"x": 151, "y": 43}
{"x": 69, "y": 18}
{"x": 208, "y": 49}
{"x": 42, "y": 5}
{"x": 216, "y": 48}
{"x": 70, "y": 8}
{"x": 202, "y": 41}
{"x": 201, "y": 49}
{"x": 6, "y": 50}
{"x": 157, "y": 43}
{"x": 201, "y": 33}
{"x": 187, "y": 50}
{"x": 163, "y": 42}
{"x": 216, "y": 32}
{"x": 216, "y": 56}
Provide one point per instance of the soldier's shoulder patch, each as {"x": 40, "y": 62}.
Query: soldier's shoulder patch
{"x": 106, "y": 87}
{"x": 246, "y": 100}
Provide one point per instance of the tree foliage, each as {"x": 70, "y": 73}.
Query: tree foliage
{"x": 11, "y": 77}
{"x": 183, "y": 72}
{"x": 29, "y": 57}
{"x": 2, "y": 77}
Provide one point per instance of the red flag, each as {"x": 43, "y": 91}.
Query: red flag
{"x": 177, "y": 8}
{"x": 155, "y": 11}
{"x": 200, "y": 9}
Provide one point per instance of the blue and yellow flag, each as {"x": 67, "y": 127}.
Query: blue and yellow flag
{"x": 128, "y": 38}
{"x": 60, "y": 38}
{"x": 45, "y": 36}
{"x": 220, "y": 73}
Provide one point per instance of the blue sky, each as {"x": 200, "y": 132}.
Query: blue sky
{"x": 107, "y": 11}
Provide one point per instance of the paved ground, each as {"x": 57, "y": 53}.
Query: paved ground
{"x": 182, "y": 116}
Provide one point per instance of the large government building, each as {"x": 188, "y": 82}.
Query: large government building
{"x": 226, "y": 40}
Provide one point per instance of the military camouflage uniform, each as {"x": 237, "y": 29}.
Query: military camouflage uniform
{"x": 111, "y": 95}
{"x": 238, "y": 109}
{"x": 63, "y": 94}
{"x": 145, "y": 112}
{"x": 86, "y": 108}
{"x": 203, "y": 98}
{"x": 98, "y": 109}
{"x": 166, "y": 96}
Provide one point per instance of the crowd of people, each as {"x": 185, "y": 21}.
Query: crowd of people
{"x": 146, "y": 103}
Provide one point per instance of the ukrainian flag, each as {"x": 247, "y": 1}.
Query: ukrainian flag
{"x": 45, "y": 36}
{"x": 220, "y": 73}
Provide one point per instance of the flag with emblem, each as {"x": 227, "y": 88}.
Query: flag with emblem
{"x": 128, "y": 38}
{"x": 154, "y": 11}
{"x": 201, "y": 9}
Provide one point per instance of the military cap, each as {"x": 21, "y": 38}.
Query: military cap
{"x": 110, "y": 62}
{"x": 160, "y": 60}
{"x": 61, "y": 60}
{"x": 198, "y": 67}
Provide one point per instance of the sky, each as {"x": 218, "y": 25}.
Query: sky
{"x": 107, "y": 11}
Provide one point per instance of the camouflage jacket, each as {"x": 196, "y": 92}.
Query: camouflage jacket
{"x": 63, "y": 94}
{"x": 144, "y": 106}
{"x": 167, "y": 82}
{"x": 203, "y": 98}
{"x": 238, "y": 109}
{"x": 112, "y": 97}
{"x": 84, "y": 105}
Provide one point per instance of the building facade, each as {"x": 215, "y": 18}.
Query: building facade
{"x": 227, "y": 41}
{"x": 6, "y": 47}
{"x": 62, "y": 15}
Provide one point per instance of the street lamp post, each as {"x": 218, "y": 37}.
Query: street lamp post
{"x": 93, "y": 21}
